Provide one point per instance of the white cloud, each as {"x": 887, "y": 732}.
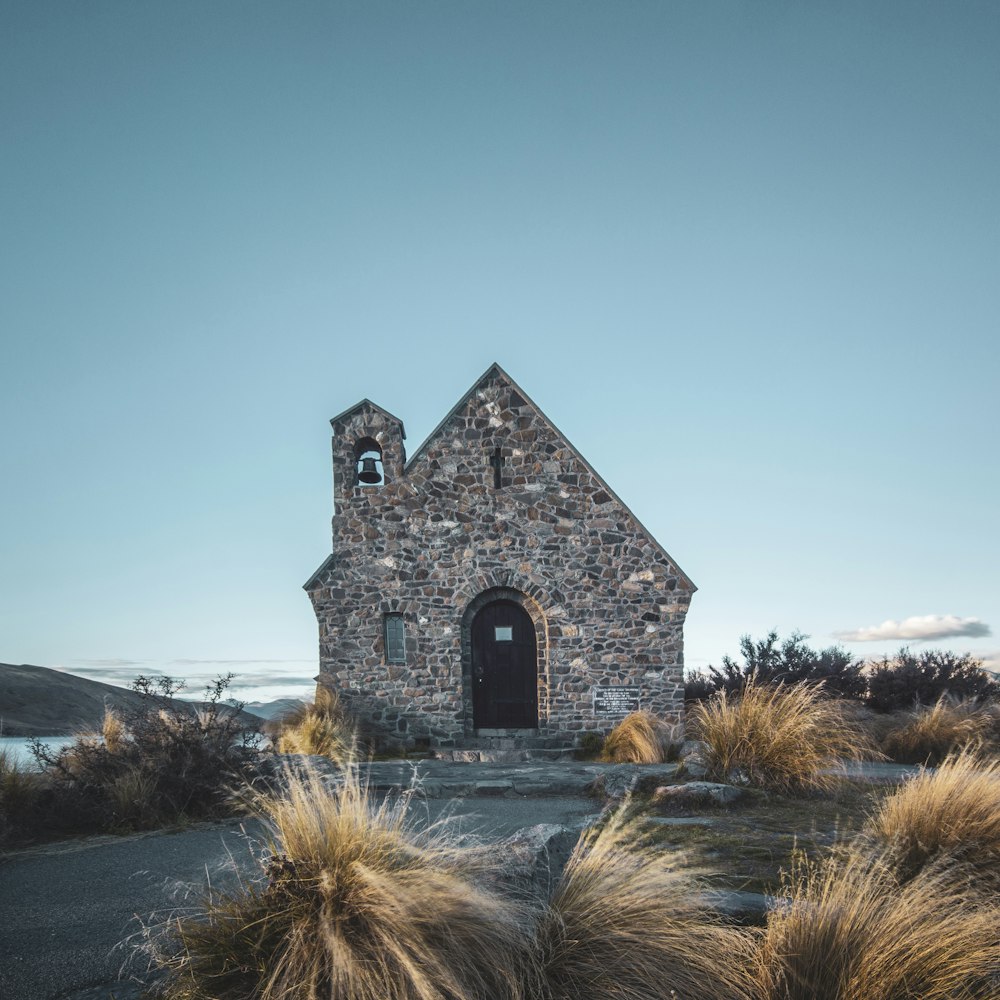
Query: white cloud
{"x": 115, "y": 661}
{"x": 919, "y": 628}
{"x": 229, "y": 663}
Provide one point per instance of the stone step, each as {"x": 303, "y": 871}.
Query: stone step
{"x": 476, "y": 755}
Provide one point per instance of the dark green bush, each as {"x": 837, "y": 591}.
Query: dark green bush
{"x": 698, "y": 686}
{"x": 910, "y": 679}
{"x": 769, "y": 661}
{"x": 590, "y": 746}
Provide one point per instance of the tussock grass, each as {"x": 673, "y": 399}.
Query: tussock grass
{"x": 850, "y": 931}
{"x": 113, "y": 731}
{"x": 783, "y": 737}
{"x": 640, "y": 738}
{"x": 948, "y": 815}
{"x": 354, "y": 904}
{"x": 626, "y": 922}
{"x": 931, "y": 732}
{"x": 319, "y": 727}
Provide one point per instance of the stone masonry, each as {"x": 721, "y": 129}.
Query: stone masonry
{"x": 437, "y": 540}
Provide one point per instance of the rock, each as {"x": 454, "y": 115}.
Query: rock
{"x": 622, "y": 779}
{"x": 616, "y": 782}
{"x": 692, "y": 758}
{"x": 682, "y": 820}
{"x": 747, "y": 908}
{"x": 651, "y": 776}
{"x": 536, "y": 857}
{"x": 493, "y": 787}
{"x": 699, "y": 793}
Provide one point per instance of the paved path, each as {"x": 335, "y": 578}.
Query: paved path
{"x": 65, "y": 909}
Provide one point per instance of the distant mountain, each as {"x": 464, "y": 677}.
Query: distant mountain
{"x": 269, "y": 709}
{"x": 39, "y": 701}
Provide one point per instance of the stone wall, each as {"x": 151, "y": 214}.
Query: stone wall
{"x": 607, "y": 602}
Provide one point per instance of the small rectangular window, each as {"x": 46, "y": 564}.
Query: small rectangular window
{"x": 504, "y": 633}
{"x": 395, "y": 639}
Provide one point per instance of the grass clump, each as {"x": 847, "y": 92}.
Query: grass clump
{"x": 930, "y": 733}
{"x": 352, "y": 903}
{"x": 318, "y": 727}
{"x": 627, "y": 922}
{"x": 640, "y": 738}
{"x": 782, "y": 737}
{"x": 850, "y": 931}
{"x": 948, "y": 815}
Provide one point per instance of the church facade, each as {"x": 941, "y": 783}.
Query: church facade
{"x": 491, "y": 590}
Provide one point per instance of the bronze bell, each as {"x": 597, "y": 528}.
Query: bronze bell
{"x": 369, "y": 475}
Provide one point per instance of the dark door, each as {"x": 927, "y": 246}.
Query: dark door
{"x": 504, "y": 668}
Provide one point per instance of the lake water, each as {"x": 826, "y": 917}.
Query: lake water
{"x": 18, "y": 746}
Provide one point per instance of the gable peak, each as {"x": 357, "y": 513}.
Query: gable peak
{"x": 362, "y": 404}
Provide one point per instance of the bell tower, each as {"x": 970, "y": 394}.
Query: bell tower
{"x": 368, "y": 453}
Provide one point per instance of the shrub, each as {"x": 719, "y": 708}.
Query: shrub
{"x": 318, "y": 727}
{"x": 628, "y": 922}
{"x": 20, "y": 794}
{"x": 849, "y": 931}
{"x": 154, "y": 764}
{"x": 929, "y": 734}
{"x": 352, "y": 903}
{"x": 923, "y": 679}
{"x": 951, "y": 814}
{"x": 640, "y": 738}
{"x": 591, "y": 745}
{"x": 783, "y": 737}
{"x": 698, "y": 686}
{"x": 769, "y": 662}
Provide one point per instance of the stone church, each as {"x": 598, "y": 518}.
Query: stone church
{"x": 491, "y": 590}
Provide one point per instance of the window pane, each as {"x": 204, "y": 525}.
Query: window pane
{"x": 395, "y": 639}
{"x": 504, "y": 633}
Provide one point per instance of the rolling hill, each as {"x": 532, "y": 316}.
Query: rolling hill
{"x": 39, "y": 701}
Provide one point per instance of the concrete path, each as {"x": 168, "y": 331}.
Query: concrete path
{"x": 69, "y": 910}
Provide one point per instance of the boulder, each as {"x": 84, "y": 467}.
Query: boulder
{"x": 699, "y": 793}
{"x": 739, "y": 907}
{"x": 692, "y": 758}
{"x": 534, "y": 858}
{"x": 623, "y": 779}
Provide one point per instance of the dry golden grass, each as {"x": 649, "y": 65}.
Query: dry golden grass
{"x": 849, "y": 931}
{"x": 113, "y": 731}
{"x": 356, "y": 905}
{"x": 320, "y": 727}
{"x": 951, "y": 814}
{"x": 784, "y": 737}
{"x": 640, "y": 738}
{"x": 625, "y": 922}
{"x": 930, "y": 733}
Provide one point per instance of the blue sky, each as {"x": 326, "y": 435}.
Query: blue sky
{"x": 744, "y": 254}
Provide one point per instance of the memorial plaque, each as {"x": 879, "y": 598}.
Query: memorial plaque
{"x": 618, "y": 700}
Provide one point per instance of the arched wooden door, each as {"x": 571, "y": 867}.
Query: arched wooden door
{"x": 504, "y": 668}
